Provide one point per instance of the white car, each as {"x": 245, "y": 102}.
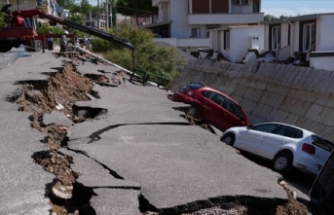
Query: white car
{"x": 286, "y": 145}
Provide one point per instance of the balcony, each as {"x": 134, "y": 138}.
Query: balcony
{"x": 224, "y": 18}
{"x": 157, "y": 2}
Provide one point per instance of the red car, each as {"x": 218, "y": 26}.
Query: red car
{"x": 212, "y": 106}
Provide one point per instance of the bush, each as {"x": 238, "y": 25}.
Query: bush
{"x": 164, "y": 61}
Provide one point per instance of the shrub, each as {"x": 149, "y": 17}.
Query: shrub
{"x": 164, "y": 61}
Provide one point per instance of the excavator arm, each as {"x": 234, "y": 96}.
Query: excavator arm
{"x": 69, "y": 23}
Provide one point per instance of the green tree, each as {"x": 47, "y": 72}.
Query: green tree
{"x": 85, "y": 7}
{"x": 269, "y": 17}
{"x": 135, "y": 8}
{"x": 66, "y": 3}
{"x": 2, "y": 20}
{"x": 78, "y": 18}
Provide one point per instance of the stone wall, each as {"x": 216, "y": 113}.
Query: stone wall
{"x": 271, "y": 92}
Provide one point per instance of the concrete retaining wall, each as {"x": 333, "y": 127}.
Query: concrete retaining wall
{"x": 271, "y": 92}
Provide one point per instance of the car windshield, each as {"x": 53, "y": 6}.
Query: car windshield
{"x": 322, "y": 143}
{"x": 195, "y": 86}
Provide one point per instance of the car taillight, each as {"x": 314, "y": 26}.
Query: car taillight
{"x": 308, "y": 148}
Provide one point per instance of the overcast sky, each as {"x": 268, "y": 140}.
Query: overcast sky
{"x": 295, "y": 7}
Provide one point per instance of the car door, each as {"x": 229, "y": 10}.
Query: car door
{"x": 252, "y": 138}
{"x": 233, "y": 114}
{"x": 219, "y": 114}
{"x": 207, "y": 110}
{"x": 277, "y": 138}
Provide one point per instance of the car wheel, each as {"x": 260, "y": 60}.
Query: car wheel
{"x": 228, "y": 139}
{"x": 193, "y": 110}
{"x": 283, "y": 162}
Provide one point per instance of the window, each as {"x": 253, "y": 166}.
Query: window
{"x": 234, "y": 108}
{"x": 195, "y": 32}
{"x": 322, "y": 143}
{"x": 292, "y": 132}
{"x": 309, "y": 37}
{"x": 275, "y": 38}
{"x": 208, "y": 94}
{"x": 267, "y": 128}
{"x": 256, "y": 6}
{"x": 218, "y": 99}
{"x": 227, "y": 40}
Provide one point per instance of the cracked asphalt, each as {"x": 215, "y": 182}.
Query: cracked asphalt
{"x": 140, "y": 155}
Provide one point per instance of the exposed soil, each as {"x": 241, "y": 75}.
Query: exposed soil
{"x": 61, "y": 92}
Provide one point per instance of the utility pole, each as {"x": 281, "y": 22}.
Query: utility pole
{"x": 107, "y": 14}
{"x": 98, "y": 14}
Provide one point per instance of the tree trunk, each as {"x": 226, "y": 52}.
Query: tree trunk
{"x": 137, "y": 20}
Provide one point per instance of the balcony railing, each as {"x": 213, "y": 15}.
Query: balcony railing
{"x": 226, "y": 18}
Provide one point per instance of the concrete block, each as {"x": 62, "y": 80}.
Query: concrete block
{"x": 308, "y": 124}
{"x": 280, "y": 116}
{"x": 317, "y": 80}
{"x": 227, "y": 88}
{"x": 253, "y": 94}
{"x": 255, "y": 119}
{"x": 264, "y": 111}
{"x": 326, "y": 131}
{"x": 291, "y": 119}
{"x": 325, "y": 99}
{"x": 327, "y": 116}
{"x": 303, "y": 94}
{"x": 197, "y": 78}
{"x": 208, "y": 77}
{"x": 257, "y": 84}
{"x": 240, "y": 90}
{"x": 295, "y": 106}
{"x": 272, "y": 99}
{"x": 329, "y": 86}
{"x": 290, "y": 75}
{"x": 301, "y": 78}
{"x": 247, "y": 104}
{"x": 277, "y": 88}
{"x": 314, "y": 112}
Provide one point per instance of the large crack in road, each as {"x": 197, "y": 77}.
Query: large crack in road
{"x": 68, "y": 196}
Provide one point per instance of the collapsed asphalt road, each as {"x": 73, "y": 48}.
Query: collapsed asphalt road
{"x": 118, "y": 150}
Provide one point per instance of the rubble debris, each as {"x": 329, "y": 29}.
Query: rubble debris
{"x": 194, "y": 121}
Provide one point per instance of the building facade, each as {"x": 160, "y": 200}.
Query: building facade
{"x": 186, "y": 23}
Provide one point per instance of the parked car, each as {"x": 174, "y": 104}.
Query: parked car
{"x": 212, "y": 106}
{"x": 286, "y": 145}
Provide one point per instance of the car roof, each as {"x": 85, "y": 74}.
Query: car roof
{"x": 281, "y": 123}
{"x": 219, "y": 92}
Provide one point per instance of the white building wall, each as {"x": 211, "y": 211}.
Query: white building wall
{"x": 325, "y": 33}
{"x": 322, "y": 63}
{"x": 179, "y": 17}
{"x": 240, "y": 41}
{"x": 295, "y": 42}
